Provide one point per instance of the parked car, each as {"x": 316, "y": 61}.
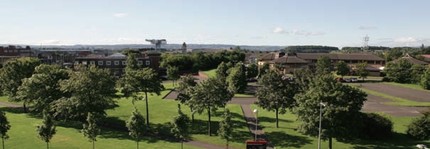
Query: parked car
{"x": 354, "y": 80}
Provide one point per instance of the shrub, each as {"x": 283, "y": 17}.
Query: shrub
{"x": 420, "y": 127}
{"x": 425, "y": 79}
{"x": 375, "y": 126}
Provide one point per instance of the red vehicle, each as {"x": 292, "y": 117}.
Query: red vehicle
{"x": 256, "y": 144}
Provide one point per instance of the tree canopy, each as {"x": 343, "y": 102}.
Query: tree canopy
{"x": 136, "y": 126}
{"x": 90, "y": 129}
{"x": 236, "y": 79}
{"x": 342, "y": 68}
{"x": 47, "y": 130}
{"x": 226, "y": 127}
{"x": 4, "y": 127}
{"x": 399, "y": 71}
{"x": 323, "y": 65}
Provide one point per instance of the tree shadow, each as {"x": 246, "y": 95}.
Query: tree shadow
{"x": 398, "y": 140}
{"x": 15, "y": 110}
{"x": 282, "y": 139}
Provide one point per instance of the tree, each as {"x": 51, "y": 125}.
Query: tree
{"x": 425, "y": 79}
{"x": 263, "y": 69}
{"x": 361, "y": 70}
{"x": 342, "y": 68}
{"x": 173, "y": 74}
{"x": 209, "y": 95}
{"x": 417, "y": 72}
{"x": 4, "y": 127}
{"x": 340, "y": 114}
{"x": 226, "y": 127}
{"x": 185, "y": 91}
{"x": 252, "y": 71}
{"x": 43, "y": 87}
{"x": 420, "y": 127}
{"x": 88, "y": 90}
{"x": 180, "y": 126}
{"x": 149, "y": 83}
{"x": 236, "y": 79}
{"x": 47, "y": 130}
{"x": 399, "y": 71}
{"x": 323, "y": 65}
{"x": 136, "y": 126}
{"x": 275, "y": 93}
{"x": 13, "y": 72}
{"x": 91, "y": 130}
{"x": 222, "y": 70}
{"x": 131, "y": 62}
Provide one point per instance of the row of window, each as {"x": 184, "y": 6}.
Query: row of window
{"x": 116, "y": 63}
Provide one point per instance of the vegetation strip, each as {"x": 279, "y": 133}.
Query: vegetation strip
{"x": 397, "y": 100}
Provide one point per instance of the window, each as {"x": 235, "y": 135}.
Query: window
{"x": 116, "y": 63}
{"x": 124, "y": 63}
{"x": 100, "y": 63}
{"x": 108, "y": 63}
{"x": 84, "y": 62}
{"x": 139, "y": 63}
{"x": 92, "y": 63}
{"x": 147, "y": 62}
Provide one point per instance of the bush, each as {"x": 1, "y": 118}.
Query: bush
{"x": 375, "y": 126}
{"x": 425, "y": 79}
{"x": 420, "y": 127}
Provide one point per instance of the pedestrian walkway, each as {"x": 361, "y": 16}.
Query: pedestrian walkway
{"x": 252, "y": 121}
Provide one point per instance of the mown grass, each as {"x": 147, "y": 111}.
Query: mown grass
{"x": 210, "y": 73}
{"x": 397, "y": 100}
{"x": 243, "y": 95}
{"x": 411, "y": 86}
{"x": 288, "y": 137}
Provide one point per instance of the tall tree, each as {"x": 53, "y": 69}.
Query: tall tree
{"x": 236, "y": 79}
{"x": 222, "y": 70}
{"x": 341, "y": 112}
{"x": 131, "y": 62}
{"x": 47, "y": 130}
{"x": 173, "y": 74}
{"x": 425, "y": 79}
{"x": 323, "y": 65}
{"x": 362, "y": 72}
{"x": 43, "y": 87}
{"x": 226, "y": 127}
{"x": 342, "y": 68}
{"x": 275, "y": 93}
{"x": 13, "y": 72}
{"x": 149, "y": 83}
{"x": 399, "y": 71}
{"x": 185, "y": 90}
{"x": 180, "y": 127}
{"x": 88, "y": 90}
{"x": 252, "y": 71}
{"x": 417, "y": 72}
{"x": 209, "y": 95}
{"x": 90, "y": 129}
{"x": 4, "y": 127}
{"x": 136, "y": 126}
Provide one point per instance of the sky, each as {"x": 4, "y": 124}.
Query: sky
{"x": 241, "y": 22}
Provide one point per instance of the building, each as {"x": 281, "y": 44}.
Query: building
{"x": 412, "y": 60}
{"x": 117, "y": 62}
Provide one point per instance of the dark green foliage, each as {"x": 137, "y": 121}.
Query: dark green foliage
{"x": 136, "y": 126}
{"x": 222, "y": 70}
{"x": 173, "y": 73}
{"x": 303, "y": 77}
{"x": 226, "y": 127}
{"x": 323, "y": 65}
{"x": 88, "y": 90}
{"x": 399, "y": 71}
{"x": 417, "y": 72}
{"x": 47, "y": 130}
{"x": 236, "y": 78}
{"x": 252, "y": 71}
{"x": 131, "y": 62}
{"x": 90, "y": 129}
{"x": 185, "y": 90}
{"x": 425, "y": 79}
{"x": 375, "y": 126}
{"x": 361, "y": 70}
{"x": 342, "y": 68}
{"x": 263, "y": 69}
{"x": 420, "y": 127}
{"x": 4, "y": 127}
{"x": 180, "y": 126}
{"x": 341, "y": 113}
{"x": 275, "y": 93}
{"x": 210, "y": 95}
{"x": 43, "y": 87}
{"x": 13, "y": 72}
{"x": 310, "y": 49}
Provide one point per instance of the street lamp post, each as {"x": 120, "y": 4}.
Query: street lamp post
{"x": 319, "y": 129}
{"x": 256, "y": 124}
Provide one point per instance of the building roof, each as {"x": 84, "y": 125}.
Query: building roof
{"x": 343, "y": 56}
{"x": 267, "y": 57}
{"x": 290, "y": 60}
{"x": 117, "y": 56}
{"x": 411, "y": 60}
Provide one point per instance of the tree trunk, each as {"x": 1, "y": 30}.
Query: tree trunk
{"x": 94, "y": 144}
{"x": 25, "y": 108}
{"x": 227, "y": 144}
{"x": 192, "y": 115}
{"x": 277, "y": 120}
{"x": 147, "y": 110}
{"x": 330, "y": 145}
{"x": 2, "y": 141}
{"x": 209, "y": 121}
{"x": 47, "y": 145}
{"x": 137, "y": 144}
{"x": 182, "y": 144}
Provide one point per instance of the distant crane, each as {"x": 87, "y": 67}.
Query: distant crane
{"x": 157, "y": 42}
{"x": 365, "y": 43}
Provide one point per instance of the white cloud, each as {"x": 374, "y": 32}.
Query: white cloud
{"x": 363, "y": 27}
{"x": 405, "y": 40}
{"x": 51, "y": 42}
{"x": 120, "y": 15}
{"x": 297, "y": 32}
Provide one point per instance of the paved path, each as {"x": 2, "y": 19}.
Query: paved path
{"x": 8, "y": 104}
{"x": 256, "y": 130}
{"x": 397, "y": 91}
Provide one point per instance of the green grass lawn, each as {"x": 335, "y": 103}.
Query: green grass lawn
{"x": 397, "y": 100}
{"x": 210, "y": 73}
{"x": 243, "y": 95}
{"x": 411, "y": 86}
{"x": 287, "y": 137}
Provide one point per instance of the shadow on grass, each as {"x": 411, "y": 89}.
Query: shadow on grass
{"x": 398, "y": 140}
{"x": 15, "y": 110}
{"x": 282, "y": 139}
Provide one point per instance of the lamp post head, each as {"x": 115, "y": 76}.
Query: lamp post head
{"x": 255, "y": 111}
{"x": 323, "y": 104}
